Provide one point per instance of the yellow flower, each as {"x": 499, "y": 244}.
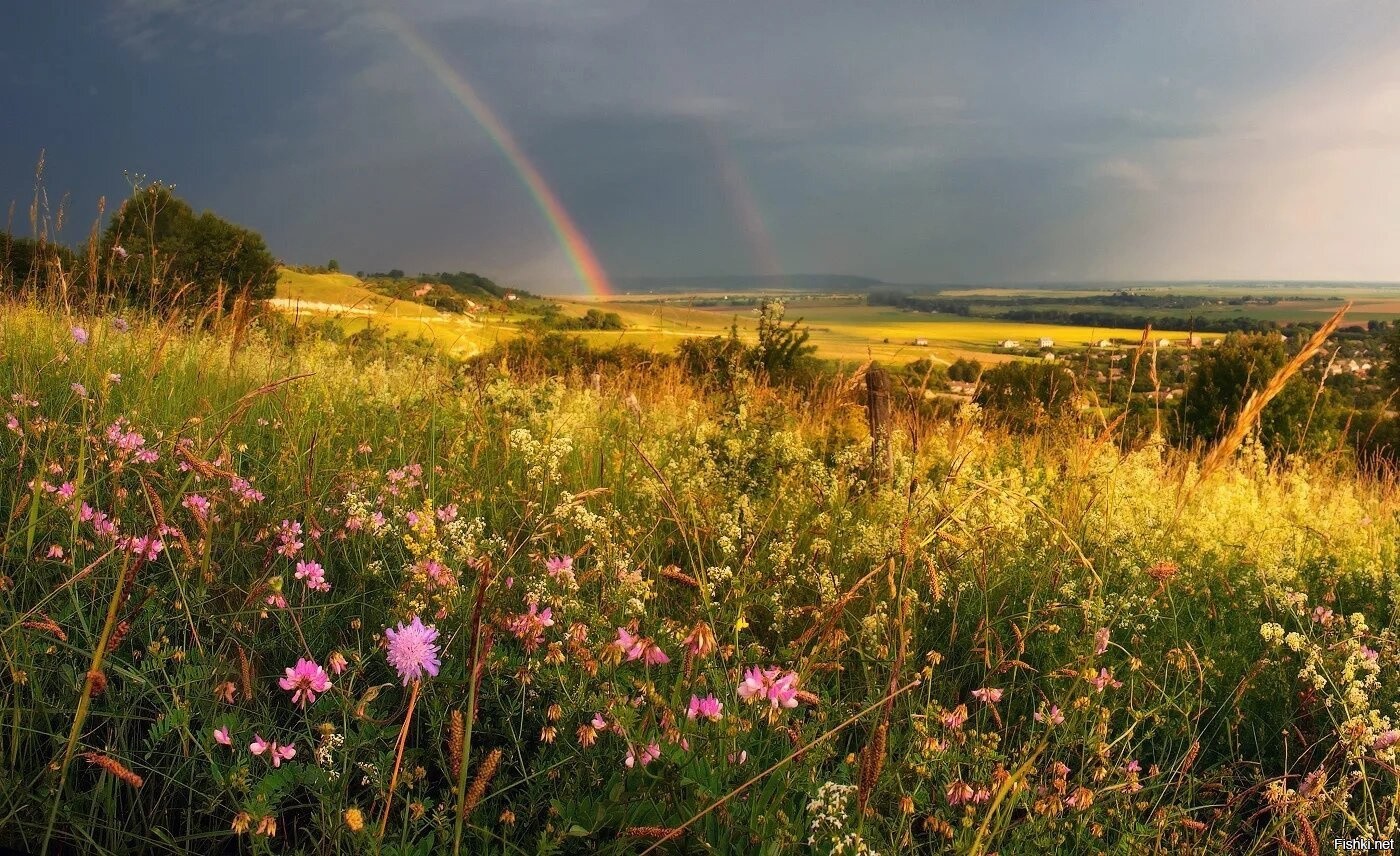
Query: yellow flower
{"x": 354, "y": 819}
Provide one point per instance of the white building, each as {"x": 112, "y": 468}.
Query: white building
{"x": 1009, "y": 343}
{"x": 1046, "y": 343}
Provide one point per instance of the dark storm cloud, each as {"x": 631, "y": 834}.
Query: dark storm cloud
{"x": 912, "y": 141}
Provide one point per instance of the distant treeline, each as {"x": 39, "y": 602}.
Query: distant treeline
{"x": 1006, "y": 308}
{"x": 1090, "y": 318}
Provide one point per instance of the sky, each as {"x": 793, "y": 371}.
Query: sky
{"x": 916, "y": 142}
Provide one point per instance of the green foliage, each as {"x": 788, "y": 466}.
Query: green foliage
{"x": 553, "y": 353}
{"x": 27, "y": 262}
{"x": 1302, "y": 416}
{"x": 781, "y": 354}
{"x": 1027, "y": 395}
{"x": 159, "y": 250}
{"x": 965, "y": 370}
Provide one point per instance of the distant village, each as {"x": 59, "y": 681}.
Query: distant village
{"x": 1350, "y": 363}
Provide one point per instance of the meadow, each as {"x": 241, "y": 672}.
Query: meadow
{"x": 267, "y": 593}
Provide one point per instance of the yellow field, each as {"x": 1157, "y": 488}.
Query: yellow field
{"x": 354, "y": 307}
{"x": 850, "y": 333}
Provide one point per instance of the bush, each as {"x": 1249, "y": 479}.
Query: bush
{"x": 1028, "y": 395}
{"x": 159, "y": 251}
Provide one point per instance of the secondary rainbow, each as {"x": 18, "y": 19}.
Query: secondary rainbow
{"x": 581, "y": 257}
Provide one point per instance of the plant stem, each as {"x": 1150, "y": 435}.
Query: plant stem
{"x": 84, "y": 701}
{"x": 398, "y": 761}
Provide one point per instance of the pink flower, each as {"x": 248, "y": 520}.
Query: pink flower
{"x": 314, "y": 575}
{"x": 779, "y": 688}
{"x": 557, "y": 565}
{"x": 987, "y": 695}
{"x": 1322, "y": 615}
{"x": 738, "y": 758}
{"x": 1133, "y": 766}
{"x": 277, "y": 601}
{"x": 79, "y": 335}
{"x": 447, "y": 514}
{"x": 954, "y": 719}
{"x": 640, "y": 648}
{"x": 529, "y": 626}
{"x": 289, "y": 538}
{"x": 198, "y": 506}
{"x": 304, "y": 681}
{"x": 221, "y": 737}
{"x": 959, "y": 792}
{"x": 599, "y": 722}
{"x": 412, "y": 650}
{"x": 1053, "y": 716}
{"x": 276, "y": 753}
{"x": 1386, "y": 739}
{"x": 649, "y": 754}
{"x": 1105, "y": 679}
{"x": 1100, "y": 641}
{"x": 708, "y": 707}
{"x": 337, "y": 662}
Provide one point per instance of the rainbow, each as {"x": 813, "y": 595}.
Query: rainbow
{"x": 584, "y": 261}
{"x": 741, "y": 197}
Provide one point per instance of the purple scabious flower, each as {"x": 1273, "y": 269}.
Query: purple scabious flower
{"x": 80, "y": 335}
{"x": 412, "y": 650}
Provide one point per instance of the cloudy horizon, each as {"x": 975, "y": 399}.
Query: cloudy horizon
{"x": 911, "y": 142}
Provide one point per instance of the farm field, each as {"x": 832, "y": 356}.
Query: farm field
{"x": 851, "y": 332}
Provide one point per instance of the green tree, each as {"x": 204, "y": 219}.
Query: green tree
{"x": 1027, "y": 395}
{"x": 964, "y": 370}
{"x": 333, "y": 266}
{"x": 1303, "y": 415}
{"x": 782, "y": 347}
{"x": 157, "y": 247}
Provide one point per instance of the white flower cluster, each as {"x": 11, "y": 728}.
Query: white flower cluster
{"x": 826, "y": 821}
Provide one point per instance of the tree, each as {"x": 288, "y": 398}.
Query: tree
{"x": 26, "y": 262}
{"x": 1302, "y": 415}
{"x": 1027, "y": 395}
{"x": 782, "y": 347}
{"x": 157, "y": 247}
{"x": 333, "y": 266}
{"x": 964, "y": 370}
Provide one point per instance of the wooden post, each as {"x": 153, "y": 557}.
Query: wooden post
{"x": 877, "y": 414}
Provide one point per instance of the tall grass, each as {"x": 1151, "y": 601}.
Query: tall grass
{"x": 1005, "y": 645}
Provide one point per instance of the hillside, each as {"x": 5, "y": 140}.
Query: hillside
{"x": 270, "y": 588}
{"x": 800, "y": 282}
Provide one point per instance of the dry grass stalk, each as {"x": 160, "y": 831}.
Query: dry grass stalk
{"x": 484, "y": 774}
{"x": 872, "y": 763}
{"x": 650, "y": 832}
{"x": 457, "y": 732}
{"x": 1249, "y": 415}
{"x": 115, "y": 767}
{"x": 245, "y": 673}
{"x": 675, "y": 574}
{"x": 1309, "y": 836}
{"x": 48, "y": 625}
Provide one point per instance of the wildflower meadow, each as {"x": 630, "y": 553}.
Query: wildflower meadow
{"x": 263, "y": 592}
